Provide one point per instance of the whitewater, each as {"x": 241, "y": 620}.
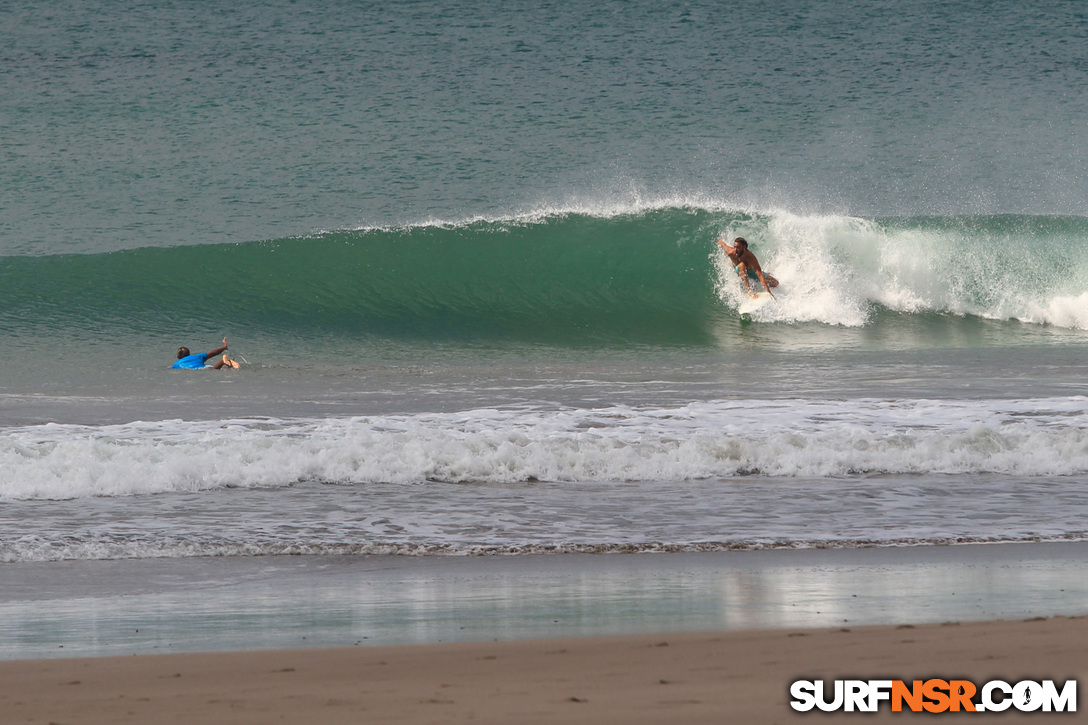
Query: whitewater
{"x": 713, "y": 439}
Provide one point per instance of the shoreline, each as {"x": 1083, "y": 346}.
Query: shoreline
{"x": 574, "y": 638}
{"x": 149, "y": 606}
{"x": 705, "y": 677}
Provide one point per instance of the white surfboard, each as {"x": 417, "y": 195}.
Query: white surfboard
{"x": 751, "y": 304}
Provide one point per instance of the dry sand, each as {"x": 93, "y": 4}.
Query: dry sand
{"x": 728, "y": 677}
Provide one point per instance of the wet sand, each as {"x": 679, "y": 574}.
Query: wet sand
{"x": 149, "y": 606}
{"x": 722, "y": 677}
{"x": 708, "y": 637}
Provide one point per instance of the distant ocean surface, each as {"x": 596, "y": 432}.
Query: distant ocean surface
{"x": 467, "y": 257}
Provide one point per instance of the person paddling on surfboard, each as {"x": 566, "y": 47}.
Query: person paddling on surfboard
{"x": 188, "y": 361}
{"x": 747, "y": 266}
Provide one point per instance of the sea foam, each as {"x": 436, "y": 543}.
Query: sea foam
{"x": 714, "y": 439}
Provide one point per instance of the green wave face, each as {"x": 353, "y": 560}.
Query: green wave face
{"x": 649, "y": 276}
{"x": 564, "y": 277}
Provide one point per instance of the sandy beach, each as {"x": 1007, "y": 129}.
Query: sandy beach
{"x": 713, "y": 637}
{"x": 721, "y": 677}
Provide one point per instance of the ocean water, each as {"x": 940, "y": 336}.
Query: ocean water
{"x": 467, "y": 258}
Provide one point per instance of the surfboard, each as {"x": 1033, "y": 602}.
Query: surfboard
{"x": 751, "y": 304}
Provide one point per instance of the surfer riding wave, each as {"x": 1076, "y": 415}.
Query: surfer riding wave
{"x": 747, "y": 266}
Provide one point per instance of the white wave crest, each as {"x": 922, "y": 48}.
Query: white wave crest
{"x": 701, "y": 440}
{"x": 835, "y": 268}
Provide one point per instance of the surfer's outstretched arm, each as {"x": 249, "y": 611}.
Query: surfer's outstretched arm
{"x": 218, "y": 350}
